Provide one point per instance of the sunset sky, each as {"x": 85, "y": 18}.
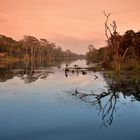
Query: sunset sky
{"x": 72, "y": 24}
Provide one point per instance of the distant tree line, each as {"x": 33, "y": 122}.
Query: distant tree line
{"x": 95, "y": 55}
{"x": 31, "y": 48}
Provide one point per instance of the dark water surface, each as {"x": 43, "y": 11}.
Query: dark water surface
{"x": 37, "y": 103}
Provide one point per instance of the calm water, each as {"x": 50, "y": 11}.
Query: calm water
{"x": 39, "y": 103}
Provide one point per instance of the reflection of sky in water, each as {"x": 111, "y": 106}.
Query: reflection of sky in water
{"x": 41, "y": 110}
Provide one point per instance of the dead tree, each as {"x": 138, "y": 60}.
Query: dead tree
{"x": 114, "y": 38}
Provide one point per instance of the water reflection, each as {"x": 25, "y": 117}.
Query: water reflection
{"x": 30, "y": 71}
{"x": 128, "y": 84}
{"x": 106, "y": 101}
{"x": 96, "y": 99}
{"x": 75, "y": 72}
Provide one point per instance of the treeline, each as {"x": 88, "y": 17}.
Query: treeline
{"x": 31, "y": 48}
{"x": 120, "y": 50}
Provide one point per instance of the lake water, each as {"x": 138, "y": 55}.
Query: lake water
{"x": 41, "y": 103}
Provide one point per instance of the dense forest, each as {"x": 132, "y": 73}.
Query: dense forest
{"x": 120, "y": 52}
{"x": 128, "y": 43}
{"x": 31, "y": 48}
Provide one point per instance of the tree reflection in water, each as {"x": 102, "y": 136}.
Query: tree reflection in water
{"x": 30, "y": 71}
{"x": 106, "y": 101}
{"x": 127, "y": 84}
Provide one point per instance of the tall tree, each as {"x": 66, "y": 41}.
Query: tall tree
{"x": 114, "y": 40}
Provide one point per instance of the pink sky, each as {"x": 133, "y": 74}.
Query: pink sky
{"x": 72, "y": 24}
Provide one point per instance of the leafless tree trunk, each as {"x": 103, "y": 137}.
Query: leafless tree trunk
{"x": 113, "y": 35}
